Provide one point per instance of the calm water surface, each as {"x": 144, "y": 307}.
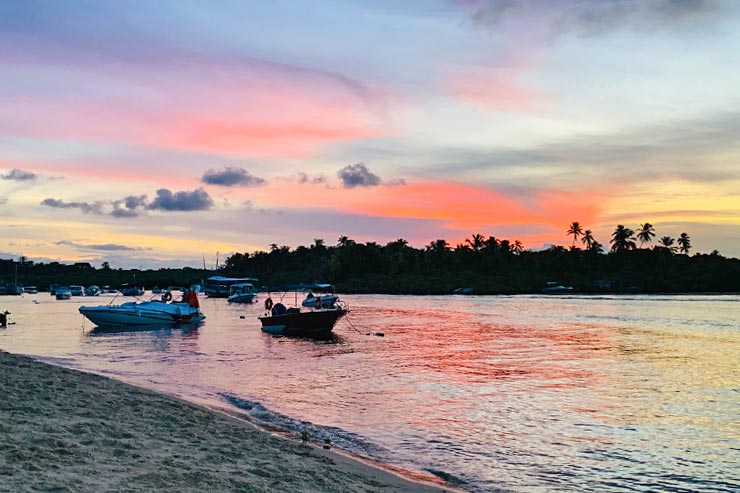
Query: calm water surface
{"x": 521, "y": 393}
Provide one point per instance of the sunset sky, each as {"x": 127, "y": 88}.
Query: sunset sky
{"x": 154, "y": 134}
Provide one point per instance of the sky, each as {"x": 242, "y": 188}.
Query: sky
{"x": 175, "y": 133}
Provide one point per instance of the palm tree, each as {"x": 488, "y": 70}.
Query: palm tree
{"x": 491, "y": 244}
{"x": 438, "y": 246}
{"x": 574, "y": 230}
{"x": 667, "y": 243}
{"x": 518, "y": 247}
{"x": 588, "y": 239}
{"x": 476, "y": 243}
{"x": 646, "y": 233}
{"x": 684, "y": 242}
{"x": 623, "y": 239}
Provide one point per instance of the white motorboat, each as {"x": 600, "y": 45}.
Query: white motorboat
{"x": 328, "y": 299}
{"x": 219, "y": 286}
{"x": 135, "y": 313}
{"x": 242, "y": 292}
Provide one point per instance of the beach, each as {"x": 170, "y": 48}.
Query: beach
{"x": 65, "y": 430}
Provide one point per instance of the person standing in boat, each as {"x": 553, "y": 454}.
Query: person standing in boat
{"x": 191, "y": 298}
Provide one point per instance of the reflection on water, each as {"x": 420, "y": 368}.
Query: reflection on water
{"x": 523, "y": 393}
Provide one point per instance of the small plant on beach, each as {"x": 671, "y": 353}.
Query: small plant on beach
{"x": 304, "y": 436}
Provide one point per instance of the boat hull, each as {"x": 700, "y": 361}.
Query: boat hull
{"x": 139, "y": 314}
{"x": 302, "y": 324}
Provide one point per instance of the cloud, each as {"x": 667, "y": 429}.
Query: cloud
{"x": 86, "y": 207}
{"x": 593, "y": 17}
{"x": 303, "y": 178}
{"x": 232, "y": 176}
{"x": 197, "y": 200}
{"x": 136, "y": 205}
{"x": 19, "y": 175}
{"x": 105, "y": 247}
{"x": 357, "y": 175}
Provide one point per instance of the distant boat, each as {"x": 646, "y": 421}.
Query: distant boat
{"x": 30, "y": 289}
{"x": 219, "y": 286}
{"x": 63, "y": 293}
{"x": 556, "y": 288}
{"x": 77, "y": 290}
{"x": 463, "y": 291}
{"x": 128, "y": 290}
{"x": 327, "y": 300}
{"x": 242, "y": 292}
{"x": 140, "y": 313}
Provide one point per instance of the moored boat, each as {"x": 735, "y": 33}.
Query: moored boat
{"x": 326, "y": 300}
{"x": 134, "y": 313}
{"x": 77, "y": 290}
{"x": 220, "y": 286}
{"x": 62, "y": 293}
{"x": 242, "y": 292}
{"x": 129, "y": 290}
{"x": 297, "y": 321}
{"x": 556, "y": 288}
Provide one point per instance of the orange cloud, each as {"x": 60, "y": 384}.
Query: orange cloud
{"x": 457, "y": 209}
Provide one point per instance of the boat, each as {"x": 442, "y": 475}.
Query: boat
{"x": 30, "y": 289}
{"x": 129, "y": 290}
{"x": 298, "y": 321}
{"x": 242, "y": 292}
{"x": 462, "y": 291}
{"x": 62, "y": 293}
{"x": 312, "y": 300}
{"x": 77, "y": 290}
{"x": 141, "y": 313}
{"x": 219, "y": 286}
{"x": 556, "y": 288}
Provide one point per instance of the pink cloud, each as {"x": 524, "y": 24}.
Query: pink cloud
{"x": 246, "y": 107}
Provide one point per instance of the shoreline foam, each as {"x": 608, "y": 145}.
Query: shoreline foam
{"x": 67, "y": 430}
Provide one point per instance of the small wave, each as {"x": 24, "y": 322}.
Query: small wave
{"x": 338, "y": 437}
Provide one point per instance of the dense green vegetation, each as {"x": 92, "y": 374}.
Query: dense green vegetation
{"x": 485, "y": 264}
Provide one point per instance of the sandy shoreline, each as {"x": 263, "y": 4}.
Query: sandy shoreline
{"x": 64, "y": 430}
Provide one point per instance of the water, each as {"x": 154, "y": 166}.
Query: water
{"x": 521, "y": 393}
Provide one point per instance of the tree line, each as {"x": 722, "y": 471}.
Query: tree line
{"x": 486, "y": 264}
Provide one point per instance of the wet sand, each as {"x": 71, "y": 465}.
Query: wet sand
{"x": 64, "y": 430}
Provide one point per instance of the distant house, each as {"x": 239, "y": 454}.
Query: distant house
{"x": 83, "y": 266}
